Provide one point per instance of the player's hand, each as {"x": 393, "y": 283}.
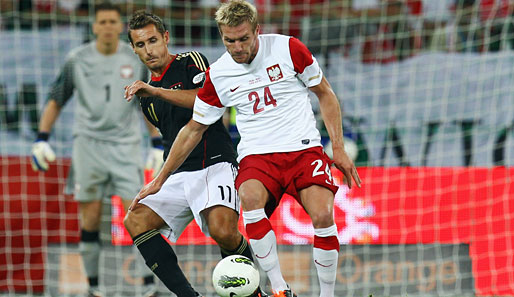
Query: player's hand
{"x": 42, "y": 153}
{"x": 140, "y": 89}
{"x": 155, "y": 159}
{"x": 344, "y": 163}
{"x": 151, "y": 188}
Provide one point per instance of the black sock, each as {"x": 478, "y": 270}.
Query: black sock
{"x": 242, "y": 249}
{"x": 93, "y": 281}
{"x": 162, "y": 260}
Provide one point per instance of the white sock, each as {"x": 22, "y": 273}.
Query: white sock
{"x": 263, "y": 241}
{"x": 325, "y": 254}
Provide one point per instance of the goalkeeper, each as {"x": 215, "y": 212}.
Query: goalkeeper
{"x": 203, "y": 187}
{"x": 107, "y": 152}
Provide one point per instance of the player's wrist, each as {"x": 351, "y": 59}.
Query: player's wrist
{"x": 42, "y": 136}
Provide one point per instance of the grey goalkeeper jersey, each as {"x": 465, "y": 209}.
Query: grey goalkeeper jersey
{"x": 98, "y": 82}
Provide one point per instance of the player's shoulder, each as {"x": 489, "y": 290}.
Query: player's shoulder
{"x": 193, "y": 58}
{"x": 274, "y": 39}
{"x": 81, "y": 51}
{"x": 125, "y": 48}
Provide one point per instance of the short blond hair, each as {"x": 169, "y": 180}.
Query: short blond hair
{"x": 235, "y": 12}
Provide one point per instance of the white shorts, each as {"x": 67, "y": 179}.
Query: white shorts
{"x": 185, "y": 194}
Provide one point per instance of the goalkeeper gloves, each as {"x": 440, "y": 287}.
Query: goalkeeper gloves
{"x": 155, "y": 159}
{"x": 42, "y": 153}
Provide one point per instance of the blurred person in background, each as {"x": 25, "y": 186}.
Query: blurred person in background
{"x": 497, "y": 17}
{"x": 107, "y": 151}
{"x": 463, "y": 33}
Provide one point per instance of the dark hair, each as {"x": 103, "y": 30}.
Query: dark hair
{"x": 141, "y": 19}
{"x": 107, "y": 6}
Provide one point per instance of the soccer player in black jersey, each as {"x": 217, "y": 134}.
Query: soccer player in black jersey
{"x": 203, "y": 187}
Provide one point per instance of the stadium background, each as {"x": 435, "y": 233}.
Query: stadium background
{"x": 427, "y": 94}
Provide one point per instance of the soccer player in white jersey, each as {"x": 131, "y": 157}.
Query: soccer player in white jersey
{"x": 267, "y": 79}
{"x": 107, "y": 136}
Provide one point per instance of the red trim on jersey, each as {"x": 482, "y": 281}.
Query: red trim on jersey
{"x": 326, "y": 243}
{"x": 259, "y": 229}
{"x": 300, "y": 54}
{"x": 208, "y": 93}
{"x": 154, "y": 78}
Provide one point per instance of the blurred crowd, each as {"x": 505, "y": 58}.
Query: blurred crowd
{"x": 374, "y": 31}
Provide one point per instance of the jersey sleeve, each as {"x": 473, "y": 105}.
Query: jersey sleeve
{"x": 62, "y": 88}
{"x": 208, "y": 108}
{"x": 305, "y": 64}
{"x": 197, "y": 65}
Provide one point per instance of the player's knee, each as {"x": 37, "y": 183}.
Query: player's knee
{"x": 251, "y": 200}
{"x": 134, "y": 223}
{"x": 129, "y": 222}
{"x": 226, "y": 237}
{"x": 322, "y": 219}
{"x": 224, "y": 230}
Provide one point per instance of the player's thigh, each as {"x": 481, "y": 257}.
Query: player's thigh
{"x": 125, "y": 166}
{"x": 171, "y": 205}
{"x": 90, "y": 174}
{"x": 258, "y": 182}
{"x": 209, "y": 187}
{"x": 318, "y": 202}
{"x": 315, "y": 186}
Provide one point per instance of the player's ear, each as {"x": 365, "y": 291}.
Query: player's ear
{"x": 166, "y": 37}
{"x": 257, "y": 29}
{"x": 95, "y": 28}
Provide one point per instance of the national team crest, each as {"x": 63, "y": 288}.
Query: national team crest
{"x": 274, "y": 72}
{"x": 126, "y": 71}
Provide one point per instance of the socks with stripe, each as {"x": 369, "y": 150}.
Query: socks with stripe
{"x": 242, "y": 249}
{"x": 264, "y": 245}
{"x": 162, "y": 260}
{"x": 325, "y": 254}
{"x": 89, "y": 247}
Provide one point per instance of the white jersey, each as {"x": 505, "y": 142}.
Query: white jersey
{"x": 270, "y": 95}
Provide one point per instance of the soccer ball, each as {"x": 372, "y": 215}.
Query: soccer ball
{"x": 235, "y": 276}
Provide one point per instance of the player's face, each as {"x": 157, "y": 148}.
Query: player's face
{"x": 151, "y": 46}
{"x": 242, "y": 42}
{"x": 107, "y": 26}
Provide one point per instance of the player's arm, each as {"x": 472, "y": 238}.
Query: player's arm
{"x": 49, "y": 116}
{"x": 61, "y": 91}
{"x": 331, "y": 114}
{"x": 187, "y": 139}
{"x": 182, "y": 98}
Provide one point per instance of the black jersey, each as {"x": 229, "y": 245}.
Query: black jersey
{"x": 187, "y": 71}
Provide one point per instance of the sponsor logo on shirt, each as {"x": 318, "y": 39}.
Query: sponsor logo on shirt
{"x": 274, "y": 72}
{"x": 126, "y": 71}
